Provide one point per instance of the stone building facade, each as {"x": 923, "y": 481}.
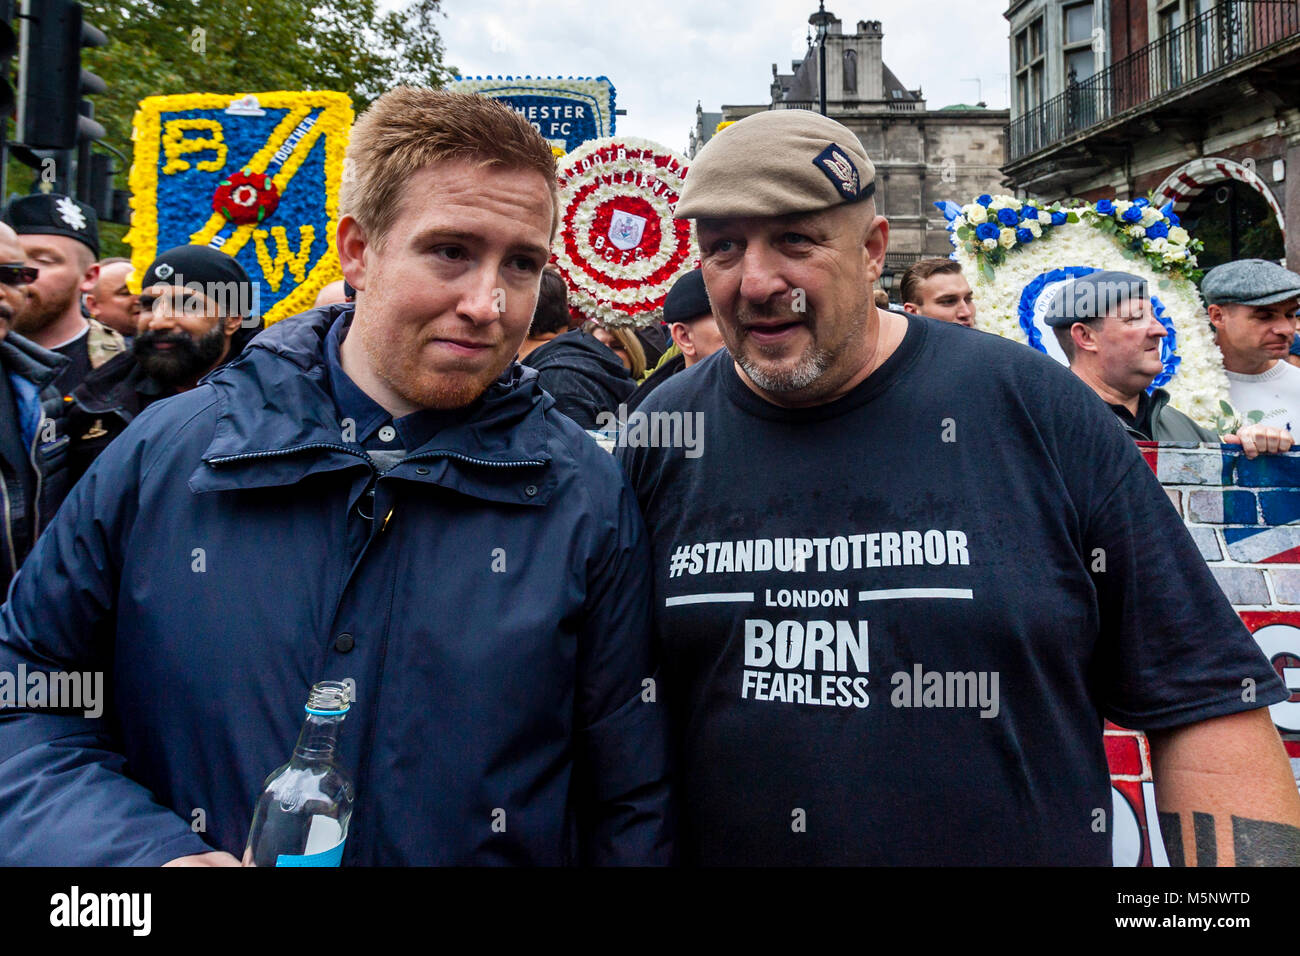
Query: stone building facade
{"x": 1193, "y": 101}
{"x": 921, "y": 155}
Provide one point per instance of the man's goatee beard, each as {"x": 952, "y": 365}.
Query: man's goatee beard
{"x": 812, "y": 366}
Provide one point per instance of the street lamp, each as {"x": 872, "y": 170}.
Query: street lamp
{"x": 887, "y": 280}
{"x": 819, "y": 20}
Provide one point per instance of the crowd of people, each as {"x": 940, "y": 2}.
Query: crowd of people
{"x": 875, "y": 614}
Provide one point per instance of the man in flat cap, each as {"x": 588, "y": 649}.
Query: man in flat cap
{"x": 1112, "y": 339}
{"x": 865, "y": 667}
{"x": 60, "y": 237}
{"x": 196, "y": 314}
{"x": 1252, "y": 304}
{"x": 694, "y": 333}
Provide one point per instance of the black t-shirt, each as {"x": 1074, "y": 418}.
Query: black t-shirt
{"x": 1142, "y": 420}
{"x": 837, "y": 589}
{"x": 74, "y": 374}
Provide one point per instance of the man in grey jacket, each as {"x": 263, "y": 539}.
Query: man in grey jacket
{"x": 1110, "y": 334}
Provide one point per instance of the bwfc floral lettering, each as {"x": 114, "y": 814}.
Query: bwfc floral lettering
{"x": 256, "y": 175}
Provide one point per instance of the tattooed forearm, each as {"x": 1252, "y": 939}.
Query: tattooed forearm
{"x": 1171, "y": 831}
{"x": 1254, "y": 842}
{"x": 1265, "y": 843}
{"x": 1207, "y": 849}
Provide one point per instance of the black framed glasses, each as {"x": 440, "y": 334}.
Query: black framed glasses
{"x": 18, "y": 275}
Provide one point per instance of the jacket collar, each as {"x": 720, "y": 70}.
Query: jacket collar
{"x": 277, "y": 423}
{"x": 26, "y": 359}
{"x": 116, "y": 386}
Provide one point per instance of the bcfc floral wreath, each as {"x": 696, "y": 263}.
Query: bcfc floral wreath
{"x": 1015, "y": 270}
{"x": 619, "y": 248}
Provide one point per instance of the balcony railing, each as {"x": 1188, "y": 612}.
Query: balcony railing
{"x": 1223, "y": 35}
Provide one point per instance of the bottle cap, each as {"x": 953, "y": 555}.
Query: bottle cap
{"x": 328, "y": 699}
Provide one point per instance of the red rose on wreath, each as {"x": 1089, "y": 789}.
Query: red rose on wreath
{"x": 246, "y": 197}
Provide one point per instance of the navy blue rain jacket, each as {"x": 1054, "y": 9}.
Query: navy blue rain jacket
{"x": 499, "y": 629}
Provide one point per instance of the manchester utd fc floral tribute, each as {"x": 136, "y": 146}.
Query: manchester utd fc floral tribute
{"x": 567, "y": 111}
{"x": 1018, "y": 252}
{"x": 256, "y": 176}
{"x": 619, "y": 248}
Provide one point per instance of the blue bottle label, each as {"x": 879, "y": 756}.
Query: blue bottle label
{"x": 331, "y": 857}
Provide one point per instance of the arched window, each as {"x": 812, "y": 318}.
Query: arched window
{"x": 850, "y": 71}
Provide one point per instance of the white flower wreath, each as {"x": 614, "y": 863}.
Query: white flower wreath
{"x": 1010, "y": 267}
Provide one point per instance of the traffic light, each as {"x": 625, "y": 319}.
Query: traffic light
{"x": 51, "y": 80}
{"x": 8, "y": 47}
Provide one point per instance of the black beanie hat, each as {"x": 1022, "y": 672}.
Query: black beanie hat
{"x": 206, "y": 269}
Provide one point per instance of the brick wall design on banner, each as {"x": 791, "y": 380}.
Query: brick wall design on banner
{"x": 1245, "y": 518}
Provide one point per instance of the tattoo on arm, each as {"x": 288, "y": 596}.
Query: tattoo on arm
{"x": 1207, "y": 848}
{"x": 1265, "y": 843}
{"x": 1171, "y": 830}
{"x": 1254, "y": 842}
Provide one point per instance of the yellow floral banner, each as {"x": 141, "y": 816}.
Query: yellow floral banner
{"x": 255, "y": 175}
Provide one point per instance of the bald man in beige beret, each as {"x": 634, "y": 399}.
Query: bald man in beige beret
{"x": 904, "y": 568}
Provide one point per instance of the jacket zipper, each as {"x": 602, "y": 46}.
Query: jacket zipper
{"x": 475, "y": 461}
{"x": 36, "y": 498}
{"x": 424, "y": 457}
{"x": 9, "y": 531}
{"x": 288, "y": 451}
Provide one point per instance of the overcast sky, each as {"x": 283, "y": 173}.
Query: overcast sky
{"x": 663, "y": 55}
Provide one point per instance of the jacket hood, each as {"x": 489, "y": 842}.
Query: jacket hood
{"x": 243, "y": 335}
{"x": 578, "y": 351}
{"x": 277, "y": 421}
{"x": 113, "y": 386}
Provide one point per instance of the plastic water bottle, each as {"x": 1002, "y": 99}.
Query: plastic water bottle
{"x": 301, "y": 818}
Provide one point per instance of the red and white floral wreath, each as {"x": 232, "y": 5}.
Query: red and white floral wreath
{"x": 619, "y": 248}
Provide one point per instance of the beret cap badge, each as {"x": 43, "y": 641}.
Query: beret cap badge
{"x": 70, "y": 213}
{"x": 839, "y": 169}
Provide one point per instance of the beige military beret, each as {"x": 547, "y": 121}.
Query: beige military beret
{"x": 777, "y": 163}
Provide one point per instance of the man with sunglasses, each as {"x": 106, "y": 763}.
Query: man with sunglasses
{"x": 33, "y": 479}
{"x": 195, "y": 308}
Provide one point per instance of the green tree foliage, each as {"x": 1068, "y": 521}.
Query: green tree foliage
{"x": 235, "y": 46}
{"x": 248, "y": 46}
